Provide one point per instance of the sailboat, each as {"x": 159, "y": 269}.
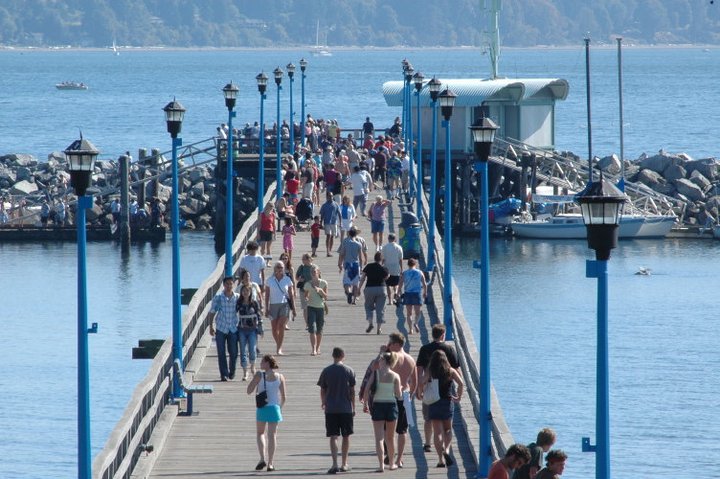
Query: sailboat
{"x": 115, "y": 49}
{"x": 320, "y": 50}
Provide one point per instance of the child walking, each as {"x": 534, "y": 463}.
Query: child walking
{"x": 288, "y": 232}
{"x": 315, "y": 235}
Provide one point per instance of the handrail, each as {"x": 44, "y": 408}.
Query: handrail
{"x": 152, "y": 394}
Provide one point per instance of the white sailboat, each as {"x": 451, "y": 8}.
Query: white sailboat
{"x": 115, "y": 49}
{"x": 320, "y": 50}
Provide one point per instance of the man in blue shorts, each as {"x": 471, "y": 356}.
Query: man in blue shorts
{"x": 352, "y": 258}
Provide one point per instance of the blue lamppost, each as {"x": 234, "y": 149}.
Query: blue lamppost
{"x": 291, "y": 74}
{"x": 174, "y": 114}
{"x": 278, "y": 137}
{"x": 418, "y": 79}
{"x": 262, "y": 80}
{"x": 303, "y": 66}
{"x": 407, "y": 121}
{"x": 601, "y": 204}
{"x": 483, "y": 132}
{"x": 81, "y": 156}
{"x": 434, "y": 87}
{"x": 405, "y": 65}
{"x": 230, "y": 91}
{"x": 447, "y": 102}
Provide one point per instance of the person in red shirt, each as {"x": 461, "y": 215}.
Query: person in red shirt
{"x": 516, "y": 456}
{"x": 266, "y": 228}
{"x": 292, "y": 185}
{"x": 315, "y": 235}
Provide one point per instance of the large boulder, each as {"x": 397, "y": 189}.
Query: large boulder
{"x": 19, "y": 159}
{"x": 650, "y": 178}
{"x": 700, "y": 180}
{"x": 610, "y": 164}
{"x": 674, "y": 172}
{"x": 660, "y": 162}
{"x": 8, "y": 174}
{"x": 23, "y": 188}
{"x": 92, "y": 214}
{"x": 708, "y": 167}
{"x": 689, "y": 189}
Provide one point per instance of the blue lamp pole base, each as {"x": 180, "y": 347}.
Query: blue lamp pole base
{"x": 229, "y": 194}
{"x": 447, "y": 240}
{"x": 84, "y": 456}
{"x": 433, "y": 191}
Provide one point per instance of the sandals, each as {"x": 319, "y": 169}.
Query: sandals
{"x": 260, "y": 466}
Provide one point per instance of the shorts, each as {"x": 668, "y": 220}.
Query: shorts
{"x": 384, "y": 411}
{"x": 402, "y": 424}
{"x": 331, "y": 230}
{"x": 351, "y": 274}
{"x": 269, "y": 413}
{"x": 314, "y": 242}
{"x": 338, "y": 424}
{"x": 266, "y": 235}
{"x": 280, "y": 310}
{"x": 392, "y": 281}
{"x": 411, "y": 299}
{"x": 316, "y": 320}
{"x": 377, "y": 226}
{"x": 346, "y": 224}
{"x": 441, "y": 410}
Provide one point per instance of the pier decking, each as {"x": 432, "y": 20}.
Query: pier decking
{"x": 220, "y": 440}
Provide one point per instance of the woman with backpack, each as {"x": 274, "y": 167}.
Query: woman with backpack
{"x": 269, "y": 414}
{"x": 249, "y": 328}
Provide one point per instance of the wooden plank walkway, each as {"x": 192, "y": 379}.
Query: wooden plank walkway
{"x": 219, "y": 441}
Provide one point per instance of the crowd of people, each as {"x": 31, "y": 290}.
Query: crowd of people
{"x": 394, "y": 379}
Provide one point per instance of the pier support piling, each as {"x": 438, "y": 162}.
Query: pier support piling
{"x": 124, "y": 226}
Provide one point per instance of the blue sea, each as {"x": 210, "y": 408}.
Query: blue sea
{"x": 663, "y": 355}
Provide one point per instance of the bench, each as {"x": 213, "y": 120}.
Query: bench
{"x": 189, "y": 390}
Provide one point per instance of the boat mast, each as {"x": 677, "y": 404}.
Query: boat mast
{"x": 620, "y": 98}
{"x": 494, "y": 7}
{"x": 589, "y": 122}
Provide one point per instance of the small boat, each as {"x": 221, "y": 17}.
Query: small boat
{"x": 320, "y": 50}
{"x": 571, "y": 226}
{"x": 71, "y": 85}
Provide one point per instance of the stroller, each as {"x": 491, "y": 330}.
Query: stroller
{"x": 304, "y": 210}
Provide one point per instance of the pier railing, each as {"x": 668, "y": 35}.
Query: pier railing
{"x": 467, "y": 352}
{"x": 151, "y": 396}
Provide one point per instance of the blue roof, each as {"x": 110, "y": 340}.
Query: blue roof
{"x": 473, "y": 92}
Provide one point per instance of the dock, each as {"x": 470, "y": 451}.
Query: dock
{"x": 153, "y": 441}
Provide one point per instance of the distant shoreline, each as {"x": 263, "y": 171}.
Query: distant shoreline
{"x": 128, "y": 49}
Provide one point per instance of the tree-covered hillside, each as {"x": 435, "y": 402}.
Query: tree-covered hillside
{"x": 266, "y": 23}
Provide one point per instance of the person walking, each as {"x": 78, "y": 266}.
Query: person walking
{"x": 362, "y": 183}
{"x": 352, "y": 256}
{"x": 266, "y": 229}
{"x": 422, "y": 364}
{"x": 278, "y": 303}
{"x": 288, "y": 232}
{"x": 337, "y": 399}
{"x": 450, "y": 386}
{"x": 249, "y": 328}
{"x": 392, "y": 254}
{"x": 385, "y": 388}
{"x": 378, "y": 214}
{"x": 405, "y": 368}
{"x": 347, "y": 216}
{"x": 223, "y": 326}
{"x": 253, "y": 264}
{"x": 316, "y": 294}
{"x": 268, "y": 416}
{"x": 330, "y": 217}
{"x": 302, "y": 275}
{"x": 375, "y": 298}
{"x": 412, "y": 281}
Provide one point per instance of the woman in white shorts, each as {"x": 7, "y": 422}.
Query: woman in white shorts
{"x": 347, "y": 216}
{"x": 279, "y": 294}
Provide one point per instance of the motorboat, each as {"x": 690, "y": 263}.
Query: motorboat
{"x": 71, "y": 85}
{"x": 571, "y": 226}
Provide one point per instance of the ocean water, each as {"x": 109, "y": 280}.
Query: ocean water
{"x": 663, "y": 357}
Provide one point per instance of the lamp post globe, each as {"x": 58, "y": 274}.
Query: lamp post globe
{"x": 81, "y": 155}
{"x": 230, "y": 92}
{"x": 261, "y": 80}
{"x": 447, "y": 102}
{"x": 174, "y": 115}
{"x": 278, "y": 73}
{"x": 483, "y": 133}
{"x": 601, "y": 204}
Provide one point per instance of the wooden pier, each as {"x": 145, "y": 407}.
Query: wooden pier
{"x": 219, "y": 441}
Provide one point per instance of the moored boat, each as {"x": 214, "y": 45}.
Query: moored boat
{"x": 571, "y": 226}
{"x": 71, "y": 85}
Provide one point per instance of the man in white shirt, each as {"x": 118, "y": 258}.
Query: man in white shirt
{"x": 393, "y": 260}
{"x": 254, "y": 264}
{"x": 361, "y": 185}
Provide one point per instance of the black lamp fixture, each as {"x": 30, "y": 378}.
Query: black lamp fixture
{"x": 483, "y": 133}
{"x": 230, "y": 91}
{"x": 434, "y": 87}
{"x": 81, "y": 155}
{"x": 262, "y": 80}
{"x": 418, "y": 79}
{"x": 290, "y": 70}
{"x": 303, "y": 65}
{"x": 278, "y": 75}
{"x": 174, "y": 114}
{"x": 447, "y": 102}
{"x": 601, "y": 203}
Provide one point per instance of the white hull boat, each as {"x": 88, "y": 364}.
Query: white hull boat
{"x": 571, "y": 226}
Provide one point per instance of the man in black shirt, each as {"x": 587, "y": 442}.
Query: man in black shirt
{"x": 422, "y": 363}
